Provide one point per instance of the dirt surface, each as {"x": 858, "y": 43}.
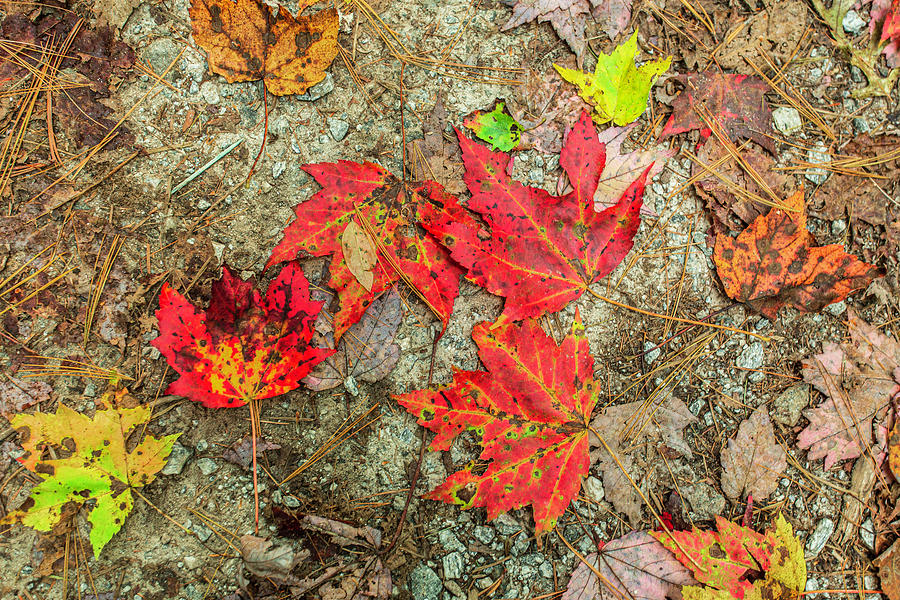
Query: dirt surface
{"x": 190, "y": 116}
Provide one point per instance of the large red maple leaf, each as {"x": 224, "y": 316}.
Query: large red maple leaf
{"x": 737, "y": 102}
{"x": 243, "y": 347}
{"x": 542, "y": 251}
{"x": 531, "y": 409}
{"x": 389, "y": 211}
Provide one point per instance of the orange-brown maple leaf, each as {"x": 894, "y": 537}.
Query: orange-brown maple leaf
{"x": 243, "y": 347}
{"x": 247, "y": 41}
{"x": 773, "y": 263}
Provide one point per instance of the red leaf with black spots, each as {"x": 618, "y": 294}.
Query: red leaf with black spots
{"x": 737, "y": 102}
{"x": 389, "y": 211}
{"x": 540, "y": 251}
{"x": 530, "y": 409}
{"x": 244, "y": 346}
{"x": 773, "y": 263}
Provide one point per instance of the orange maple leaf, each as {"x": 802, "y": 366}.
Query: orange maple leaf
{"x": 246, "y": 41}
{"x": 773, "y": 264}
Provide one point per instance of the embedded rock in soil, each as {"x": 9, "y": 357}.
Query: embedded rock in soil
{"x": 321, "y": 89}
{"x": 424, "y": 584}
{"x": 207, "y": 466}
{"x": 704, "y": 500}
{"x": 819, "y": 537}
{"x": 788, "y": 405}
{"x": 177, "y": 459}
{"x": 454, "y": 565}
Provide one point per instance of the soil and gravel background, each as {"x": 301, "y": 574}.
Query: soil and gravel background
{"x": 442, "y": 553}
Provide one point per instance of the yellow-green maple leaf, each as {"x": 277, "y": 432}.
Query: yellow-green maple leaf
{"x": 617, "y": 89}
{"x": 100, "y": 467}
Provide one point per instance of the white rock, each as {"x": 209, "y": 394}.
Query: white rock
{"x": 787, "y": 120}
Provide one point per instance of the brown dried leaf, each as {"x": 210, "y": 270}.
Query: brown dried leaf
{"x": 367, "y": 351}
{"x": 241, "y": 452}
{"x": 246, "y": 41}
{"x": 859, "y": 378}
{"x": 889, "y": 571}
{"x": 753, "y": 461}
{"x": 262, "y": 559}
{"x": 443, "y": 157}
{"x": 620, "y": 425}
{"x": 731, "y": 211}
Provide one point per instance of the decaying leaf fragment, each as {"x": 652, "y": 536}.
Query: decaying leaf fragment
{"x": 496, "y": 127}
{"x": 102, "y": 466}
{"x": 753, "y": 461}
{"x": 617, "y": 89}
{"x": 737, "y": 102}
{"x": 858, "y": 378}
{"x": 530, "y": 410}
{"x": 244, "y": 346}
{"x": 633, "y": 566}
{"x": 773, "y": 263}
{"x": 247, "y": 40}
{"x": 367, "y": 351}
{"x": 360, "y": 254}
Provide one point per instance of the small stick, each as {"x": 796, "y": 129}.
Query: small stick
{"x": 202, "y": 169}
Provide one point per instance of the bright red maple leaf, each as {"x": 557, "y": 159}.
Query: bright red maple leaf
{"x": 389, "y": 211}
{"x": 243, "y": 347}
{"x": 737, "y": 102}
{"x": 542, "y": 251}
{"x": 531, "y": 409}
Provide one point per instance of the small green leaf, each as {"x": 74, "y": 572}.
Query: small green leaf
{"x": 618, "y": 89}
{"x": 497, "y": 128}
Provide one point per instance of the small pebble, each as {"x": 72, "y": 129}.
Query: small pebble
{"x": 787, "y": 120}
{"x": 338, "y": 128}
{"x": 819, "y": 537}
{"x": 207, "y": 466}
{"x": 853, "y": 23}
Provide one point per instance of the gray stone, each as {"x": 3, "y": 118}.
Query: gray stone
{"x": 653, "y": 354}
{"x": 191, "y": 562}
{"x": 853, "y": 23}
{"x": 836, "y": 309}
{"x": 789, "y": 404}
{"x": 424, "y": 584}
{"x": 454, "y": 565}
{"x": 450, "y": 542}
{"x": 210, "y": 92}
{"x": 751, "y": 357}
{"x": 593, "y": 489}
{"x": 819, "y": 537}
{"x": 867, "y": 534}
{"x": 351, "y": 386}
{"x": 861, "y": 125}
{"x": 338, "y": 128}
{"x": 321, "y": 89}
{"x": 160, "y": 53}
{"x": 838, "y": 226}
{"x": 787, "y": 120}
{"x": 203, "y": 532}
{"x": 818, "y": 154}
{"x": 483, "y": 534}
{"x": 520, "y": 545}
{"x": 536, "y": 175}
{"x": 291, "y": 502}
{"x": 207, "y": 466}
{"x": 278, "y": 168}
{"x": 507, "y": 525}
{"x": 177, "y": 459}
{"x": 704, "y": 500}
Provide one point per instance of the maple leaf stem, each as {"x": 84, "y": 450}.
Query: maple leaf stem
{"x": 254, "y": 431}
{"x": 678, "y": 319}
{"x": 659, "y": 519}
{"x": 587, "y": 563}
